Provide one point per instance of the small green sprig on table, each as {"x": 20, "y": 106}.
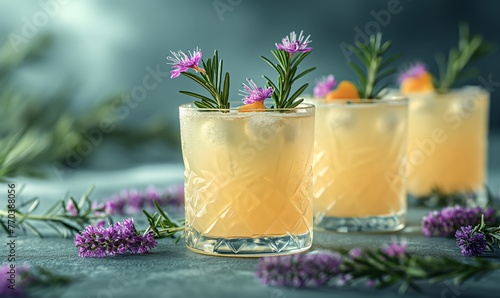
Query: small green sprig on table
{"x": 380, "y": 268}
{"x": 65, "y": 217}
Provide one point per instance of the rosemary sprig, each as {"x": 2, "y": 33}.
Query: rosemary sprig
{"x": 211, "y": 78}
{"x": 382, "y": 268}
{"x": 57, "y": 217}
{"x": 372, "y": 68}
{"x": 287, "y": 75}
{"x": 469, "y": 48}
{"x": 406, "y": 270}
{"x": 162, "y": 225}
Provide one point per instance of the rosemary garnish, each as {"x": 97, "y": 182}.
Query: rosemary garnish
{"x": 469, "y": 48}
{"x": 211, "y": 80}
{"x": 373, "y": 68}
{"x": 287, "y": 75}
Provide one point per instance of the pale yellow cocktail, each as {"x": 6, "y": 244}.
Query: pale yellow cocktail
{"x": 359, "y": 153}
{"x": 248, "y": 180}
{"x": 447, "y": 142}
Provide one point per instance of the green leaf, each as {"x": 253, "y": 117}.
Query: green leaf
{"x": 305, "y": 72}
{"x": 203, "y": 98}
{"x": 225, "y": 93}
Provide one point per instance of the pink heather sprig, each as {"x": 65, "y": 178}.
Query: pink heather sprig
{"x": 181, "y": 62}
{"x": 381, "y": 268}
{"x": 133, "y": 201}
{"x": 119, "y": 238}
{"x": 302, "y": 270}
{"x": 252, "y": 93}
{"x": 324, "y": 86}
{"x": 413, "y": 71}
{"x": 445, "y": 222}
{"x": 293, "y": 44}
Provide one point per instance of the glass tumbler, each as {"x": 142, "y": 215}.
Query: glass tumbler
{"x": 358, "y": 168}
{"x": 248, "y": 180}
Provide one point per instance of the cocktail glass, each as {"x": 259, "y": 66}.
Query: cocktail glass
{"x": 447, "y": 144}
{"x": 248, "y": 180}
{"x": 358, "y": 167}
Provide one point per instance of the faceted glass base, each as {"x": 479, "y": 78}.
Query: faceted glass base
{"x": 374, "y": 224}
{"x": 247, "y": 247}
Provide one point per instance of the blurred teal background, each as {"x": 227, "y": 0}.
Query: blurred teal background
{"x": 103, "y": 48}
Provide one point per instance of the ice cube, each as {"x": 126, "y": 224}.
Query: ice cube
{"x": 389, "y": 123}
{"x": 340, "y": 119}
{"x": 263, "y": 127}
{"x": 464, "y": 106}
{"x": 216, "y": 131}
{"x": 425, "y": 104}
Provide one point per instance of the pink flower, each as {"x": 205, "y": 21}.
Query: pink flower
{"x": 70, "y": 208}
{"x": 182, "y": 62}
{"x": 413, "y": 71}
{"x": 324, "y": 85}
{"x": 251, "y": 93}
{"x": 292, "y": 44}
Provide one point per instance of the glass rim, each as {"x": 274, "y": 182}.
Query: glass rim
{"x": 393, "y": 100}
{"x": 302, "y": 106}
{"x": 454, "y": 90}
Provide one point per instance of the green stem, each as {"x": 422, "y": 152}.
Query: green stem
{"x": 50, "y": 218}
{"x": 370, "y": 81}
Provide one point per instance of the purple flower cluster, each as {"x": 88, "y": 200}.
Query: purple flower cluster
{"x": 119, "y": 238}
{"x": 447, "y": 221}
{"x": 471, "y": 243}
{"x": 252, "y": 93}
{"x": 293, "y": 44}
{"x": 17, "y": 277}
{"x": 301, "y": 270}
{"x": 181, "y": 62}
{"x": 323, "y": 86}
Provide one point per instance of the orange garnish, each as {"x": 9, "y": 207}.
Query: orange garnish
{"x": 345, "y": 90}
{"x": 421, "y": 83}
{"x": 257, "y": 106}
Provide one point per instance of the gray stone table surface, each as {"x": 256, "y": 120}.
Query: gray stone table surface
{"x": 171, "y": 270}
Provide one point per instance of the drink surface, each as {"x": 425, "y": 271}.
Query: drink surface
{"x": 359, "y": 151}
{"x": 447, "y": 141}
{"x": 248, "y": 174}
